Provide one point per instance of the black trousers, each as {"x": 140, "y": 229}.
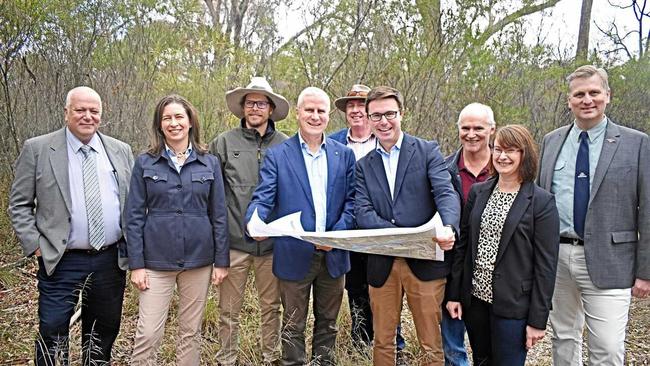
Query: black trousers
{"x": 99, "y": 280}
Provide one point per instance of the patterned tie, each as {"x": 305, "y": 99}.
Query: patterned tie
{"x": 93, "y": 199}
{"x": 581, "y": 186}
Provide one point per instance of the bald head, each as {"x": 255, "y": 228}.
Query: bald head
{"x": 83, "y": 91}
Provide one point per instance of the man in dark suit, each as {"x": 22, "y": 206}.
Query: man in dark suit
{"x": 314, "y": 175}
{"x": 65, "y": 206}
{"x": 600, "y": 176}
{"x": 403, "y": 183}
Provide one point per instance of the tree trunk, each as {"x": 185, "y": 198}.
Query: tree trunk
{"x": 582, "y": 47}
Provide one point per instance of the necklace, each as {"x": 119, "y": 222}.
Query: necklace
{"x": 180, "y": 156}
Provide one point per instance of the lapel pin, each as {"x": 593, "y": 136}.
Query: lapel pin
{"x": 610, "y": 140}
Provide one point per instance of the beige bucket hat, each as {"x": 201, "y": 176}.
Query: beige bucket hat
{"x": 358, "y": 91}
{"x": 257, "y": 85}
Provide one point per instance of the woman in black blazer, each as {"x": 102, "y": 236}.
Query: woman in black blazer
{"x": 504, "y": 267}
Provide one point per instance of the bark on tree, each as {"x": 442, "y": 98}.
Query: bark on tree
{"x": 582, "y": 47}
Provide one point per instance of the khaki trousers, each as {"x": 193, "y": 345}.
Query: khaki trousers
{"x": 231, "y": 299}
{"x": 424, "y": 299}
{"x": 192, "y": 287}
{"x": 577, "y": 300}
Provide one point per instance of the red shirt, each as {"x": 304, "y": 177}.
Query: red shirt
{"x": 467, "y": 178}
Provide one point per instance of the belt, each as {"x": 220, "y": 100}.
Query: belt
{"x": 94, "y": 251}
{"x": 571, "y": 241}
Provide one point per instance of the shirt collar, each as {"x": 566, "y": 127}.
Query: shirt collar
{"x": 397, "y": 146}
{"x": 171, "y": 153}
{"x": 350, "y": 138}
{"x": 593, "y": 132}
{"x": 304, "y": 145}
{"x": 76, "y": 144}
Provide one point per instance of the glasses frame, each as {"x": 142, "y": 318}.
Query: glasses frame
{"x": 376, "y": 117}
{"x": 256, "y": 104}
{"x": 497, "y": 151}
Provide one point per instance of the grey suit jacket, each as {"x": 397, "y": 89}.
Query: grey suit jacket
{"x": 617, "y": 227}
{"x": 39, "y": 202}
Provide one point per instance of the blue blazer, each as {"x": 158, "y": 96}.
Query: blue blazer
{"x": 340, "y": 136}
{"x": 422, "y": 188}
{"x": 284, "y": 189}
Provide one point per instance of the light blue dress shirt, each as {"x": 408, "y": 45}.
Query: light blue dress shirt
{"x": 390, "y": 160}
{"x": 78, "y": 238}
{"x": 172, "y": 156}
{"x": 565, "y": 168}
{"x": 316, "y": 165}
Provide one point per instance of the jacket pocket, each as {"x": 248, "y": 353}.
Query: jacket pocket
{"x": 202, "y": 177}
{"x": 154, "y": 175}
{"x": 201, "y": 183}
{"x": 620, "y": 237}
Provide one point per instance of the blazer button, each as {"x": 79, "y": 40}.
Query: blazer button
{"x": 392, "y": 221}
{"x": 181, "y": 264}
{"x": 179, "y": 212}
{"x": 179, "y": 187}
{"x": 155, "y": 177}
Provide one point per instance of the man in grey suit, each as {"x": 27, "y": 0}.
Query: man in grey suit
{"x": 600, "y": 176}
{"x": 65, "y": 206}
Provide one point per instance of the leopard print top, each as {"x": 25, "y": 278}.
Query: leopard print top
{"x": 492, "y": 220}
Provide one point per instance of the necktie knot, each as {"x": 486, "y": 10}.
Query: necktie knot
{"x": 85, "y": 149}
{"x": 584, "y": 136}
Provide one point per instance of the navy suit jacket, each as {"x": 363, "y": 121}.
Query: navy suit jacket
{"x": 284, "y": 189}
{"x": 422, "y": 188}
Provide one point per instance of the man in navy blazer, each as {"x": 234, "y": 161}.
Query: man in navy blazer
{"x": 314, "y": 175}
{"x": 403, "y": 183}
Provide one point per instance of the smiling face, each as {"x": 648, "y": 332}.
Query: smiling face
{"x": 83, "y": 113}
{"x": 255, "y": 116}
{"x": 474, "y": 132}
{"x": 506, "y": 160}
{"x": 588, "y": 99}
{"x": 175, "y": 124}
{"x": 313, "y": 116}
{"x": 355, "y": 113}
{"x": 387, "y": 131}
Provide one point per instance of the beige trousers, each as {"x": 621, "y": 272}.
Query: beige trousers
{"x": 577, "y": 301}
{"x": 192, "y": 287}
{"x": 424, "y": 299}
{"x": 231, "y": 298}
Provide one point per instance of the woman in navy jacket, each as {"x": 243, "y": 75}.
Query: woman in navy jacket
{"x": 504, "y": 267}
{"x": 176, "y": 230}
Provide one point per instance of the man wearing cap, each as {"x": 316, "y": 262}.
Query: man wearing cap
{"x": 359, "y": 137}
{"x": 241, "y": 151}
{"x": 314, "y": 175}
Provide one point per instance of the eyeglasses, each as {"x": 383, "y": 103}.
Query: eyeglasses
{"x": 496, "y": 151}
{"x": 259, "y": 103}
{"x": 390, "y": 115}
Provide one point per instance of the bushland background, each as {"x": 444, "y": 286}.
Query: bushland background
{"x": 442, "y": 54}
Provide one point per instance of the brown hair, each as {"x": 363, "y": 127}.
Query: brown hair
{"x": 518, "y": 137}
{"x": 385, "y": 92}
{"x": 587, "y": 71}
{"x": 157, "y": 142}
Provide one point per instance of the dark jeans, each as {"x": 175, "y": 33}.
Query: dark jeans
{"x": 356, "y": 284}
{"x": 101, "y": 282}
{"x": 327, "y": 297}
{"x": 495, "y": 340}
{"x": 453, "y": 340}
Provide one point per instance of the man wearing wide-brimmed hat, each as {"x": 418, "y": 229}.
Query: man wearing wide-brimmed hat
{"x": 241, "y": 151}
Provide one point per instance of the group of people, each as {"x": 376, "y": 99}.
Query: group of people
{"x": 558, "y": 233}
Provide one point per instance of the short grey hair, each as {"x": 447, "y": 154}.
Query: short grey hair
{"x": 85, "y": 89}
{"x": 314, "y": 92}
{"x": 480, "y": 109}
{"x": 587, "y": 71}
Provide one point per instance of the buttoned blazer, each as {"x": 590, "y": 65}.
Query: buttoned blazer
{"x": 40, "y": 202}
{"x": 422, "y": 188}
{"x": 526, "y": 262}
{"x": 617, "y": 225}
{"x": 284, "y": 189}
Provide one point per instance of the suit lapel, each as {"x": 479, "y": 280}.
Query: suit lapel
{"x": 333, "y": 156}
{"x": 405, "y": 156}
{"x": 554, "y": 146}
{"x": 296, "y": 163}
{"x": 517, "y": 210}
{"x": 378, "y": 171}
{"x": 610, "y": 145}
{"x": 59, "y": 164}
{"x": 482, "y": 197}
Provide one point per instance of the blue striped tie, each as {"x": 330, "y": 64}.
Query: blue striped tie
{"x": 93, "y": 198}
{"x": 581, "y": 186}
